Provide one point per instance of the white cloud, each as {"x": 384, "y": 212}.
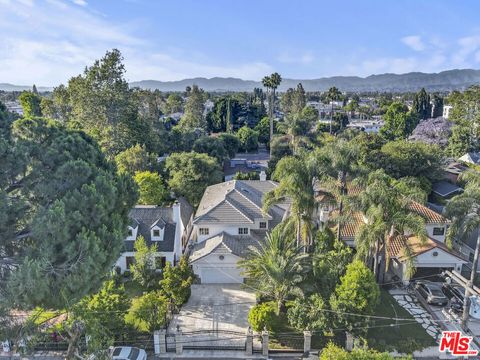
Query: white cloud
{"x": 414, "y": 42}
{"x": 288, "y": 58}
{"x": 80, "y": 2}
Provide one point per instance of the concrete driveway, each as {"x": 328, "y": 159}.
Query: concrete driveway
{"x": 215, "y": 307}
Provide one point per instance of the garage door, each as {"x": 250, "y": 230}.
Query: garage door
{"x": 221, "y": 276}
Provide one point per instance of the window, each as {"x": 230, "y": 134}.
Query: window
{"x": 263, "y": 225}
{"x": 471, "y": 257}
{"x": 438, "y": 231}
{"x": 160, "y": 262}
{"x": 129, "y": 260}
{"x": 130, "y": 233}
{"x": 156, "y": 233}
{"x": 242, "y": 231}
{"x": 203, "y": 231}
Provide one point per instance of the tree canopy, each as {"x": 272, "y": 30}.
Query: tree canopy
{"x": 64, "y": 213}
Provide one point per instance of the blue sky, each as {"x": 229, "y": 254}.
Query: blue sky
{"x": 48, "y": 41}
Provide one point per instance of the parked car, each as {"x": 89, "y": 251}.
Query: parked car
{"x": 431, "y": 292}
{"x": 456, "y": 294}
{"x": 128, "y": 353}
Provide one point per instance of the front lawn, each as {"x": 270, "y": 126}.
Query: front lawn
{"x": 403, "y": 338}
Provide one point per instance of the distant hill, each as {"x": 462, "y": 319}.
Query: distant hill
{"x": 11, "y": 87}
{"x": 414, "y": 81}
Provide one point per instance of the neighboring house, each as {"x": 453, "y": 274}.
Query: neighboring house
{"x": 168, "y": 228}
{"x": 445, "y": 190}
{"x": 471, "y": 158}
{"x": 467, "y": 247}
{"x": 245, "y": 163}
{"x": 446, "y": 111}
{"x": 453, "y": 171}
{"x": 230, "y": 221}
{"x": 431, "y": 257}
{"x": 368, "y": 126}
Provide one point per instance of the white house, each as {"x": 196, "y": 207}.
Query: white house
{"x": 167, "y": 227}
{"x": 430, "y": 257}
{"x": 228, "y": 222}
{"x": 446, "y": 111}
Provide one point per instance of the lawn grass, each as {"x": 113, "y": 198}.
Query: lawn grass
{"x": 403, "y": 338}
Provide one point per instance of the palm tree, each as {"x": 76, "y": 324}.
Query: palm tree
{"x": 465, "y": 211}
{"x": 278, "y": 266}
{"x": 295, "y": 176}
{"x": 333, "y": 94}
{"x": 335, "y": 163}
{"x": 385, "y": 202}
{"x": 271, "y": 83}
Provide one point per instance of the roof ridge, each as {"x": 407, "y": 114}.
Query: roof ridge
{"x": 241, "y": 212}
{"x": 249, "y": 200}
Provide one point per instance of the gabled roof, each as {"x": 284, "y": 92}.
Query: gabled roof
{"x": 471, "y": 158}
{"x": 429, "y": 215}
{"x": 237, "y": 202}
{"x": 224, "y": 243}
{"x": 148, "y": 216}
{"x": 350, "y": 227}
{"x": 399, "y": 242}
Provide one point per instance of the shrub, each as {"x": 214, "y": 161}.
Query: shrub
{"x": 264, "y": 316}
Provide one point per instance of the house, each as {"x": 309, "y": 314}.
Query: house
{"x": 368, "y": 126}
{"x": 467, "y": 247}
{"x": 453, "y": 171}
{"x": 168, "y": 227}
{"x": 430, "y": 257}
{"x": 445, "y": 190}
{"x": 471, "y": 158}
{"x": 446, "y": 111}
{"x": 246, "y": 163}
{"x": 228, "y": 223}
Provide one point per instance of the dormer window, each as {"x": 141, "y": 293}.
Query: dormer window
{"x": 157, "y": 234}
{"x": 130, "y": 232}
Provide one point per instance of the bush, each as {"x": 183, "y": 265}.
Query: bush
{"x": 264, "y": 316}
{"x": 148, "y": 312}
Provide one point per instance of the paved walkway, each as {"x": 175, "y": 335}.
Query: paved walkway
{"x": 409, "y": 303}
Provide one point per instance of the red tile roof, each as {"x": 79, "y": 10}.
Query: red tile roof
{"x": 429, "y": 215}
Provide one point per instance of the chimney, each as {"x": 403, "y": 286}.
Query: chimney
{"x": 263, "y": 176}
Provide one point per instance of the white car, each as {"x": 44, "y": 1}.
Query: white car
{"x": 128, "y": 353}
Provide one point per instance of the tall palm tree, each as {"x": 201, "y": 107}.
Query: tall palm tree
{"x": 385, "y": 202}
{"x": 295, "y": 176}
{"x": 278, "y": 266}
{"x": 271, "y": 83}
{"x": 333, "y": 94}
{"x": 465, "y": 210}
{"x": 335, "y": 164}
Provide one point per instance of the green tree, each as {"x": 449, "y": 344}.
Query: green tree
{"x": 263, "y": 130}
{"x": 465, "y": 210}
{"x": 248, "y": 139}
{"x": 176, "y": 283}
{"x": 135, "y": 158}
{"x": 64, "y": 212}
{"x": 437, "y": 106}
{"x": 151, "y": 188}
{"x": 148, "y": 312}
{"x": 336, "y": 163}
{"x": 357, "y": 293}
{"x": 143, "y": 269}
{"x": 386, "y": 203}
{"x": 308, "y": 313}
{"x": 212, "y": 146}
{"x": 421, "y": 105}
{"x": 399, "y": 122}
{"x": 101, "y": 103}
{"x": 299, "y": 99}
{"x": 334, "y": 352}
{"x": 271, "y": 83}
{"x": 333, "y": 95}
{"x": 174, "y": 103}
{"x": 30, "y": 103}
{"x": 103, "y": 315}
{"x": 295, "y": 178}
{"x": 231, "y": 144}
{"x": 191, "y": 173}
{"x": 277, "y": 266}
{"x": 193, "y": 116}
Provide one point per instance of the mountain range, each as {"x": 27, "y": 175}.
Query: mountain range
{"x": 458, "y": 79}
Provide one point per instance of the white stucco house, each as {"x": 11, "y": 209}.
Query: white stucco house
{"x": 429, "y": 257}
{"x": 229, "y": 221}
{"x": 167, "y": 227}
